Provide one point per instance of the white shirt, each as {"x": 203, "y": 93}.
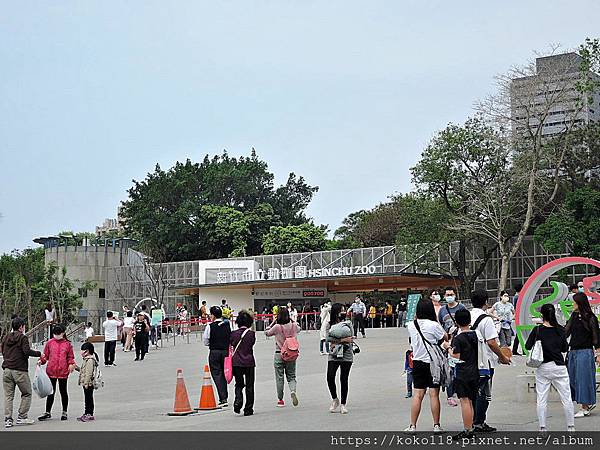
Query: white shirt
{"x": 110, "y": 329}
{"x": 487, "y": 328}
{"x": 294, "y": 314}
{"x": 49, "y": 315}
{"x": 128, "y": 322}
{"x": 89, "y": 332}
{"x": 432, "y": 331}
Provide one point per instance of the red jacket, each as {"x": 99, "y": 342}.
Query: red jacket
{"x": 59, "y": 356}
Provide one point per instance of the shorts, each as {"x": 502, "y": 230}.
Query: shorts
{"x": 466, "y": 388}
{"x": 422, "y": 376}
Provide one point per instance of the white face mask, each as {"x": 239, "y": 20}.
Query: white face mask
{"x": 505, "y": 299}
{"x": 451, "y": 299}
{"x": 435, "y": 297}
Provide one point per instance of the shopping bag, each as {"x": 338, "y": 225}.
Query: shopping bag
{"x": 41, "y": 382}
{"x": 228, "y": 366}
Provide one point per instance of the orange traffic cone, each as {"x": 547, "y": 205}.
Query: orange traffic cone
{"x": 207, "y": 395}
{"x": 182, "y": 401}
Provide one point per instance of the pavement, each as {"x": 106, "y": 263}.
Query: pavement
{"x": 138, "y": 395}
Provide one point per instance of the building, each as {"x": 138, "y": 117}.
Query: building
{"x": 111, "y": 226}
{"x": 550, "y": 98}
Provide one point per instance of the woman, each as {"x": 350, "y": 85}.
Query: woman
{"x": 50, "y": 316}
{"x": 503, "y": 311}
{"x": 341, "y": 356}
{"x": 282, "y": 329}
{"x": 128, "y": 330}
{"x": 432, "y": 331}
{"x": 582, "y": 328}
{"x": 242, "y": 340}
{"x": 325, "y": 314}
{"x": 58, "y": 353}
{"x": 553, "y": 371}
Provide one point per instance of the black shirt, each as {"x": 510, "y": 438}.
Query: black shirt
{"x": 583, "y": 335}
{"x": 402, "y": 305}
{"x": 466, "y": 344}
{"x": 139, "y": 327}
{"x": 554, "y": 343}
{"x": 220, "y": 335}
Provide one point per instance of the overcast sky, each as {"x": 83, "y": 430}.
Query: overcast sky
{"x": 346, "y": 93}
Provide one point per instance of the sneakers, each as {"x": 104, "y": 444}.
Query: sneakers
{"x": 85, "y": 418}
{"x": 452, "y": 402}
{"x": 136, "y": 359}
{"x": 294, "y": 399}
{"x": 571, "y": 429}
{"x": 237, "y": 411}
{"x": 464, "y": 434}
{"x": 63, "y": 416}
{"x": 410, "y": 429}
{"x": 24, "y": 421}
{"x": 584, "y": 412}
{"x": 280, "y": 403}
{"x": 437, "y": 428}
{"x": 248, "y": 413}
{"x": 44, "y": 416}
{"x": 8, "y": 423}
{"x": 343, "y": 409}
{"x": 408, "y": 395}
{"x": 335, "y": 404}
{"x": 223, "y": 404}
{"x": 484, "y": 428}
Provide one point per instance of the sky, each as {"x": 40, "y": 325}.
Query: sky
{"x": 345, "y": 93}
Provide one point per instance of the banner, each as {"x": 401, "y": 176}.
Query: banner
{"x": 411, "y": 306}
{"x": 157, "y": 317}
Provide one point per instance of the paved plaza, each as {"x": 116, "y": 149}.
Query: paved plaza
{"x": 138, "y": 395}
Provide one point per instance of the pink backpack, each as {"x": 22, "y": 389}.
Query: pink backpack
{"x": 290, "y": 350}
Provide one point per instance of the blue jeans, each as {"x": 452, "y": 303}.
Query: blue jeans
{"x": 484, "y": 396}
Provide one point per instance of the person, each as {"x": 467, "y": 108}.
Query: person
{"x": 358, "y": 310}
{"x": 325, "y": 314}
{"x": 436, "y": 298}
{"x": 293, "y": 312}
{"x": 217, "y": 337}
{"x": 389, "y": 314}
{"x": 226, "y": 310}
{"x": 110, "y": 326}
{"x": 88, "y": 331}
{"x": 15, "y": 372}
{"x": 58, "y": 354}
{"x": 408, "y": 367}
{"x": 372, "y": 315}
{"x": 243, "y": 363}
{"x": 553, "y": 371}
{"x": 573, "y": 289}
{"x": 148, "y": 320}
{"x": 515, "y": 301}
{"x": 464, "y": 347}
{"x": 504, "y": 312}
{"x": 401, "y": 310}
{"x": 582, "y": 329}
{"x": 485, "y": 325}
{"x": 50, "y": 316}
{"x": 339, "y": 359}
{"x": 429, "y": 329}
{"x": 282, "y": 329}
{"x": 203, "y": 316}
{"x": 446, "y": 318}
{"x": 87, "y": 372}
{"x": 128, "y": 322}
{"x": 140, "y": 331}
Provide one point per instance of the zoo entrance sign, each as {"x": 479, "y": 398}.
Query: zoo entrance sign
{"x": 292, "y": 273}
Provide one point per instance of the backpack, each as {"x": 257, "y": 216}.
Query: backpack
{"x": 226, "y": 312}
{"x": 439, "y": 367}
{"x": 290, "y": 350}
{"x": 482, "y": 359}
{"x": 97, "y": 380}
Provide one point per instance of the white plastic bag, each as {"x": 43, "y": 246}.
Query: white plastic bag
{"x": 41, "y": 382}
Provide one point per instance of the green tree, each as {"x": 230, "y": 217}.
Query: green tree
{"x": 295, "y": 238}
{"x": 575, "y": 226}
{"x": 222, "y": 206}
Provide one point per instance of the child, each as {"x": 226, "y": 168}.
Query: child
{"x": 464, "y": 347}
{"x": 89, "y": 331}
{"x": 140, "y": 328}
{"x": 408, "y": 365}
{"x": 243, "y": 363}
{"x": 58, "y": 353}
{"x": 86, "y": 379}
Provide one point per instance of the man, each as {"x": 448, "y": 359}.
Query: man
{"x": 110, "y": 325}
{"x": 15, "y": 350}
{"x": 203, "y": 316}
{"x": 359, "y": 310}
{"x": 226, "y": 310}
{"x": 485, "y": 325}
{"x": 446, "y": 317}
{"x": 401, "y": 309}
{"x": 573, "y": 289}
{"x": 515, "y": 300}
{"x": 149, "y": 322}
{"x": 216, "y": 338}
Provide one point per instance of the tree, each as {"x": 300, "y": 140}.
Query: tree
{"x": 220, "y": 207}
{"x": 459, "y": 160}
{"x": 295, "y": 239}
{"x": 575, "y": 226}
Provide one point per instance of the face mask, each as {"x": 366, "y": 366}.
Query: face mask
{"x": 58, "y": 338}
{"x": 451, "y": 299}
{"x": 581, "y": 289}
{"x": 504, "y": 299}
{"x": 435, "y": 297}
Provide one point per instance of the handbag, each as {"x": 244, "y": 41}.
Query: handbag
{"x": 536, "y": 356}
{"x": 228, "y": 362}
